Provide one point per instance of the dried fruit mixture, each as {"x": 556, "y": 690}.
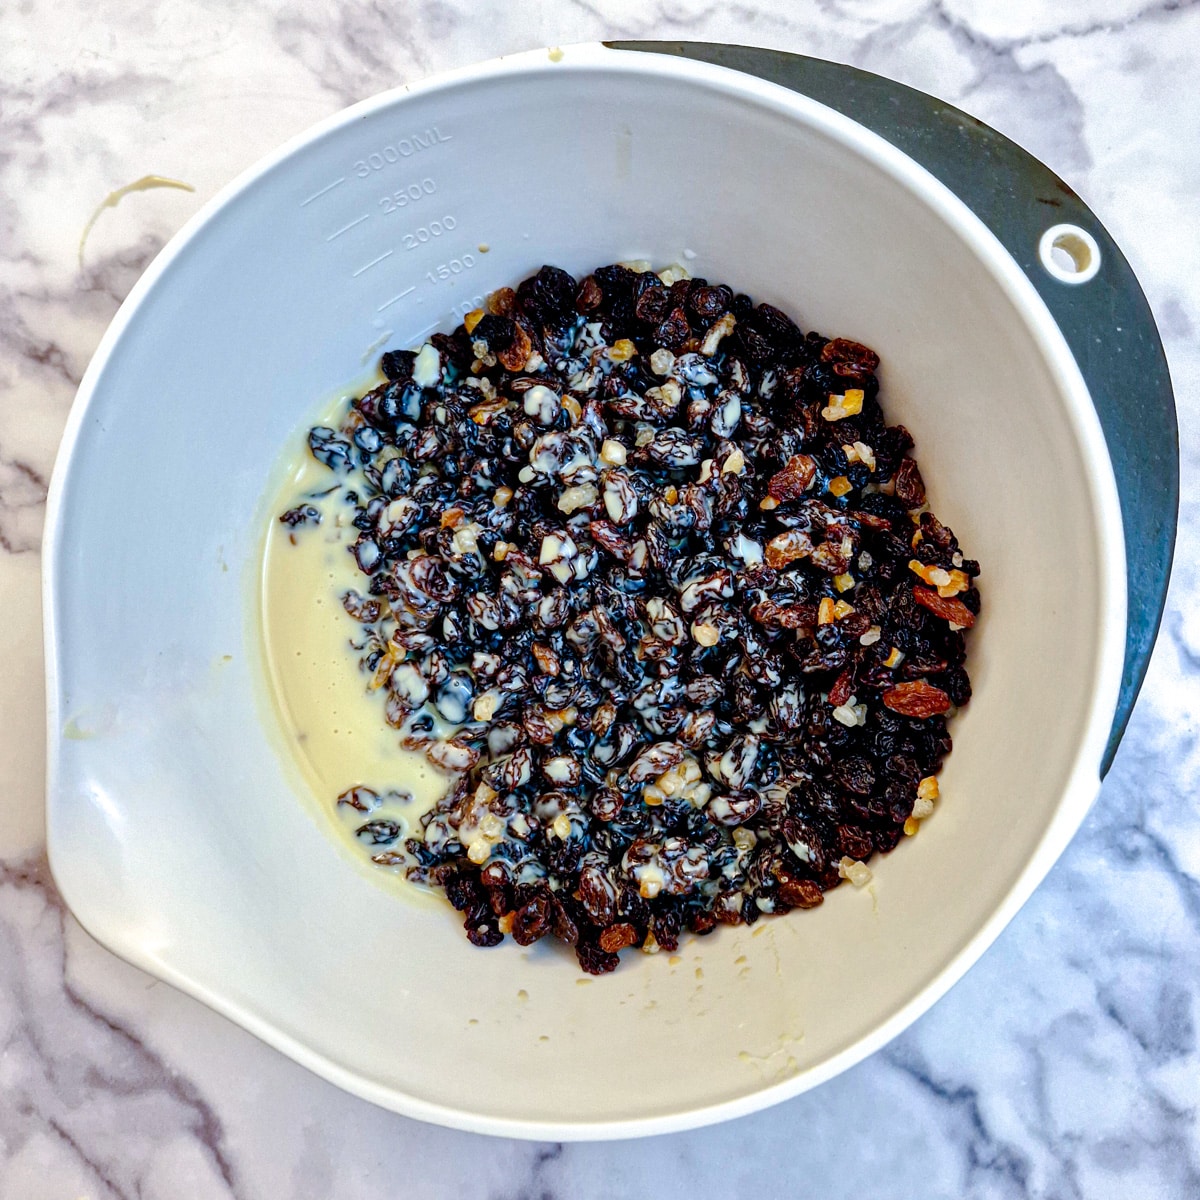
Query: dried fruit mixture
{"x": 645, "y": 571}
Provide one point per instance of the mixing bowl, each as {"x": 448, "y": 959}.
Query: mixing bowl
{"x": 1010, "y": 329}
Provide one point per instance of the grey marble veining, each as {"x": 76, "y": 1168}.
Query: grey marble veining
{"x": 1064, "y": 1065}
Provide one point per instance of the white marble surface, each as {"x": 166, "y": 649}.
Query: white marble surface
{"x": 1065, "y": 1065}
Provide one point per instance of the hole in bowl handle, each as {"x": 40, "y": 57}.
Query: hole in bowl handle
{"x": 1107, "y": 325}
{"x": 1069, "y": 254}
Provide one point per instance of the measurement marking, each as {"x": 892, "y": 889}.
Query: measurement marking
{"x": 427, "y": 329}
{"x": 381, "y": 340}
{"x": 346, "y": 228}
{"x": 398, "y": 296}
{"x": 327, "y": 188}
{"x": 373, "y": 262}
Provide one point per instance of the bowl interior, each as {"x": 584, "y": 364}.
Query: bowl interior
{"x": 175, "y": 832}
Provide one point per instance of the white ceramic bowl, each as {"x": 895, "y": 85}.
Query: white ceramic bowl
{"x": 176, "y": 831}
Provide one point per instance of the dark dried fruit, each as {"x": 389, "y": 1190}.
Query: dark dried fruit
{"x": 653, "y": 303}
{"x": 482, "y": 930}
{"x": 556, "y": 290}
{"x": 378, "y": 833}
{"x": 589, "y": 296}
{"x": 362, "y": 799}
{"x": 855, "y": 774}
{"x": 390, "y": 858}
{"x": 532, "y": 920}
{"x": 709, "y": 303}
{"x": 801, "y": 893}
{"x": 654, "y": 761}
{"x": 397, "y": 365}
{"x": 496, "y": 333}
{"x": 673, "y": 332}
{"x": 463, "y": 891}
{"x": 910, "y": 487}
{"x": 594, "y": 959}
{"x": 301, "y": 515}
{"x": 853, "y": 843}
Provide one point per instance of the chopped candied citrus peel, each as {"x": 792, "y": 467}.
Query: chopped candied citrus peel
{"x": 959, "y": 582}
{"x": 847, "y": 405}
{"x": 934, "y": 576}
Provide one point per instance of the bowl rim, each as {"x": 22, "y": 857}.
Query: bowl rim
{"x": 594, "y": 58}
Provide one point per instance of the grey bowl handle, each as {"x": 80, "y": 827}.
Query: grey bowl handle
{"x": 1106, "y": 321}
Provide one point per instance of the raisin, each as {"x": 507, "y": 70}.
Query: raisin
{"x": 589, "y": 295}
{"x": 378, "y": 833}
{"x": 773, "y": 333}
{"x": 597, "y": 895}
{"x": 853, "y": 843}
{"x": 801, "y": 893}
{"x": 855, "y": 774}
{"x": 302, "y": 514}
{"x": 362, "y": 799}
{"x": 532, "y": 920}
{"x": 794, "y": 479}
{"x": 910, "y": 487}
{"x": 666, "y": 925}
{"x": 499, "y": 896}
{"x": 397, "y": 365}
{"x": 708, "y": 303}
{"x": 616, "y": 281}
{"x": 498, "y": 332}
{"x": 562, "y": 922}
{"x": 617, "y": 937}
{"x": 946, "y": 607}
{"x": 594, "y": 959}
{"x": 556, "y": 290}
{"x": 957, "y": 686}
{"x": 482, "y": 928}
{"x": 916, "y": 699}
{"x": 502, "y": 302}
{"x": 606, "y": 804}
{"x": 842, "y": 689}
{"x": 651, "y": 299}
{"x": 463, "y": 891}
{"x": 849, "y": 358}
{"x": 516, "y": 354}
{"x": 673, "y": 331}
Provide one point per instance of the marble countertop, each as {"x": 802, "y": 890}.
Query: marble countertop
{"x": 1064, "y": 1065}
